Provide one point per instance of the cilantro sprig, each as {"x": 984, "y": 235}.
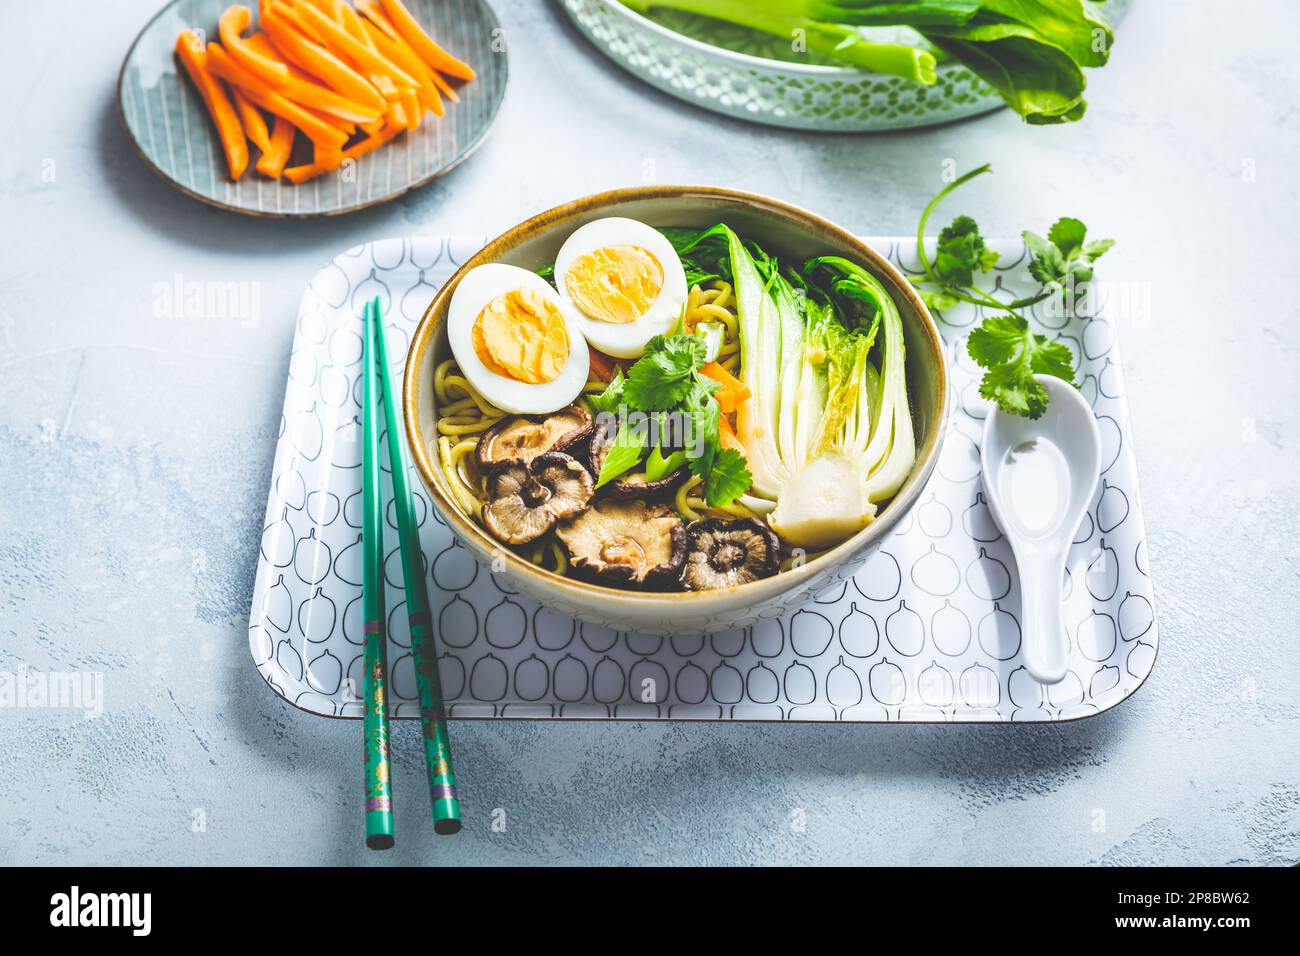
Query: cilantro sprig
{"x": 1012, "y": 355}
{"x": 1004, "y": 344}
{"x": 667, "y": 379}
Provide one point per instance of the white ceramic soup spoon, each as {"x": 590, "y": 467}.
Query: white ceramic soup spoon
{"x": 1039, "y": 476}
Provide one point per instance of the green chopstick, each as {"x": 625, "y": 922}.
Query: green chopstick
{"x": 379, "y": 794}
{"x": 433, "y": 715}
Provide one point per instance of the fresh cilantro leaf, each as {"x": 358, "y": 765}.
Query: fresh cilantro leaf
{"x": 728, "y": 478}
{"x": 1047, "y": 264}
{"x": 1067, "y": 234}
{"x": 1064, "y": 260}
{"x": 1094, "y": 250}
{"x": 608, "y": 401}
{"x": 1012, "y": 354}
{"x": 667, "y": 379}
{"x": 961, "y": 251}
{"x": 665, "y": 375}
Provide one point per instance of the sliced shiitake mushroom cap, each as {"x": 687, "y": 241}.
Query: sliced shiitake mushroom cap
{"x": 526, "y": 500}
{"x": 723, "y": 552}
{"x": 524, "y": 437}
{"x": 626, "y": 544}
{"x": 632, "y": 484}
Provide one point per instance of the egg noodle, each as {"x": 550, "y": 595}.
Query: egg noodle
{"x": 464, "y": 414}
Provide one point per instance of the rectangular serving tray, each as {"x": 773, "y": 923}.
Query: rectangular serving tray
{"x": 927, "y": 630}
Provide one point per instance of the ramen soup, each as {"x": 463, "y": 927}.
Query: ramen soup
{"x": 672, "y": 409}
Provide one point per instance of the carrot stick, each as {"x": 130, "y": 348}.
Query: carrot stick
{"x": 411, "y": 106}
{"x": 319, "y": 132}
{"x": 321, "y": 63}
{"x": 728, "y": 435}
{"x": 423, "y": 44}
{"x": 340, "y": 42}
{"x": 263, "y": 44}
{"x": 732, "y": 392}
{"x": 234, "y": 21}
{"x": 320, "y": 99}
{"x": 386, "y": 87}
{"x": 371, "y": 10}
{"x": 405, "y": 57}
{"x": 301, "y": 174}
{"x": 193, "y": 57}
{"x": 397, "y": 114}
{"x": 350, "y": 20}
{"x": 602, "y": 366}
{"x": 281, "y": 8}
{"x": 443, "y": 87}
{"x": 272, "y": 161}
{"x": 252, "y": 120}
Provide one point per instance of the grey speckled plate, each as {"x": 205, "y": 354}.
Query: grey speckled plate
{"x": 169, "y": 125}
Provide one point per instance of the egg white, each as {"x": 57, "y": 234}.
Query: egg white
{"x": 626, "y": 340}
{"x": 480, "y": 286}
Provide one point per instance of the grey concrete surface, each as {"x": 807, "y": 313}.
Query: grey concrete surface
{"x": 135, "y": 450}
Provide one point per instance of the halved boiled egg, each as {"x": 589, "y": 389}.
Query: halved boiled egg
{"x": 513, "y": 341}
{"x": 622, "y": 284}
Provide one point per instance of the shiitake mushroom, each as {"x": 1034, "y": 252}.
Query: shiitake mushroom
{"x": 527, "y": 500}
{"x": 523, "y": 437}
{"x": 626, "y": 543}
{"x": 723, "y": 552}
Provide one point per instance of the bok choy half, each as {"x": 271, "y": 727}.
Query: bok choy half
{"x": 1032, "y": 52}
{"x": 827, "y": 431}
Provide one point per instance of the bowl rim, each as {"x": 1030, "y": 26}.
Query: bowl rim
{"x": 422, "y": 339}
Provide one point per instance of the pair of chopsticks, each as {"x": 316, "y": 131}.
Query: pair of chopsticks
{"x": 379, "y": 391}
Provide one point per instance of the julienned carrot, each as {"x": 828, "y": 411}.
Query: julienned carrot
{"x": 282, "y": 8}
{"x": 443, "y": 87}
{"x": 262, "y": 44}
{"x": 320, "y": 62}
{"x": 252, "y": 120}
{"x": 324, "y": 100}
{"x": 411, "y": 106}
{"x": 728, "y": 435}
{"x": 732, "y": 392}
{"x": 602, "y": 366}
{"x": 342, "y": 125}
{"x": 193, "y": 57}
{"x": 318, "y": 99}
{"x": 386, "y": 87}
{"x": 405, "y": 57}
{"x": 301, "y": 174}
{"x": 423, "y": 44}
{"x": 397, "y": 114}
{"x": 272, "y": 161}
{"x": 350, "y": 20}
{"x": 372, "y": 11}
{"x": 234, "y": 21}
{"x": 341, "y": 42}
{"x": 319, "y": 132}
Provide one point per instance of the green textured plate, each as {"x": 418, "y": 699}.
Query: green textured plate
{"x": 169, "y": 126}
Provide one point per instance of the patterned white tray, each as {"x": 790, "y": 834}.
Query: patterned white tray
{"x": 926, "y": 631}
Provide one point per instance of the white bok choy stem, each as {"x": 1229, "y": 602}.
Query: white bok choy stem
{"x": 761, "y": 330}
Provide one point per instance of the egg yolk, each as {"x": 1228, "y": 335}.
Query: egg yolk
{"x": 615, "y": 284}
{"x": 520, "y": 335}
